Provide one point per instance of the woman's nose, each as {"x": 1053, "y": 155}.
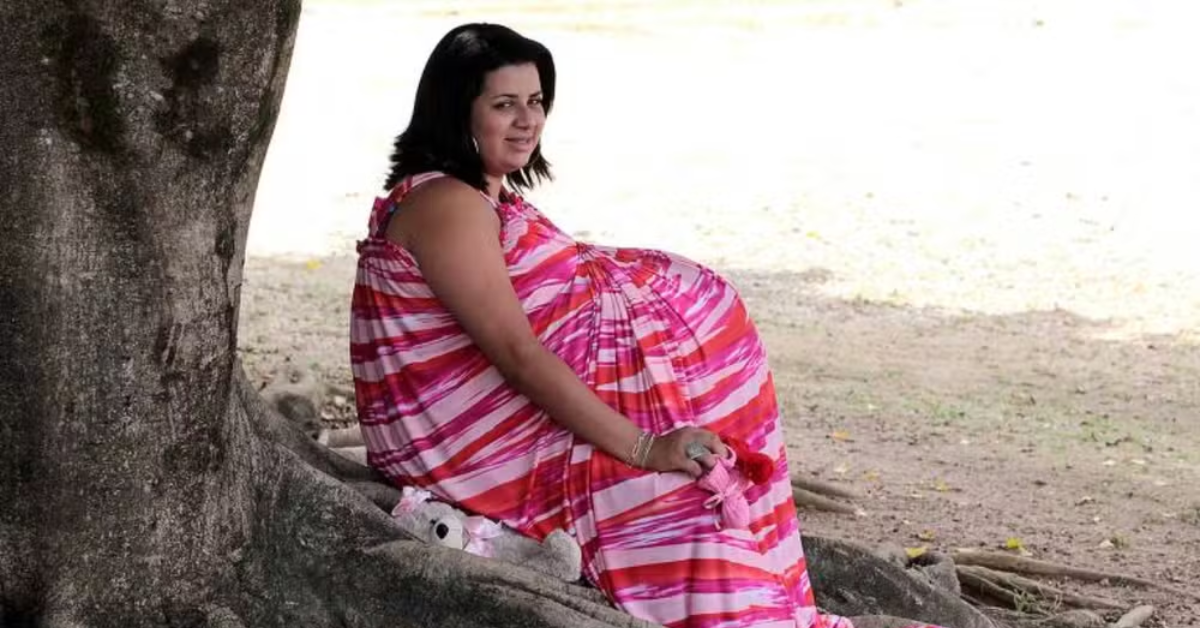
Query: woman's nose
{"x": 525, "y": 116}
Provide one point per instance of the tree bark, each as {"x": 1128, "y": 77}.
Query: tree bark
{"x": 133, "y": 135}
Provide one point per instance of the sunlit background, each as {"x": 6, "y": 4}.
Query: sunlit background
{"x": 988, "y": 156}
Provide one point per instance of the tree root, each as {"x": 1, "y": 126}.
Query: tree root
{"x": 823, "y": 488}
{"x": 270, "y": 425}
{"x": 355, "y": 454}
{"x": 881, "y": 621}
{"x": 382, "y": 495}
{"x": 818, "y": 495}
{"x": 338, "y": 437}
{"x": 1135, "y": 617}
{"x": 326, "y": 552}
{"x": 1017, "y": 600}
{"x": 1020, "y": 564}
{"x": 222, "y": 617}
{"x": 323, "y": 555}
{"x": 849, "y": 580}
{"x": 1076, "y": 618}
{"x": 805, "y": 498}
{"x": 1030, "y": 588}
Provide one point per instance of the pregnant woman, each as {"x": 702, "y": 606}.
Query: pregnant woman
{"x": 548, "y": 383}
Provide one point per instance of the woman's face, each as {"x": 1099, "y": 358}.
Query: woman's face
{"x": 507, "y": 118}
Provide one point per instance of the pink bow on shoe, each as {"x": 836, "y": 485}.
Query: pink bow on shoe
{"x": 728, "y": 488}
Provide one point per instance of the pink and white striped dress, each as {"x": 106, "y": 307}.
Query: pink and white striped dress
{"x": 661, "y": 339}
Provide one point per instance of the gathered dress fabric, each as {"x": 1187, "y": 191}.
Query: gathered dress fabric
{"x": 664, "y": 341}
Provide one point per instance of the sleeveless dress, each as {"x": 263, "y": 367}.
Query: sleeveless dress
{"x": 661, "y": 339}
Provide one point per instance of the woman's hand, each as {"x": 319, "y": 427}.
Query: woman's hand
{"x": 669, "y": 452}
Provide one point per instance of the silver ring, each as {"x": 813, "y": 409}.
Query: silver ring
{"x": 696, "y": 451}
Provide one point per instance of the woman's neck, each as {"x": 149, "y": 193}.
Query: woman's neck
{"x": 495, "y": 185}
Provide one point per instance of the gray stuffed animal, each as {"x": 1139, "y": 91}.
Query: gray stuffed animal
{"x": 442, "y": 524}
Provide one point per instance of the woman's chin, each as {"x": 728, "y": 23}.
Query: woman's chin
{"x": 515, "y": 165}
{"x": 509, "y": 166}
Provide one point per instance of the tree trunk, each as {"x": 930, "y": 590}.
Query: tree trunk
{"x": 133, "y": 136}
{"x": 142, "y": 482}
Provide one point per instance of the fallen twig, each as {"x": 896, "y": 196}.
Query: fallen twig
{"x": 1020, "y": 564}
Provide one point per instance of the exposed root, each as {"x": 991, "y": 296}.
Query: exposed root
{"x": 338, "y": 437}
{"x": 804, "y": 498}
{"x": 1032, "y": 588}
{"x": 322, "y": 556}
{"x": 354, "y": 454}
{"x": 1020, "y": 601}
{"x": 1076, "y": 618}
{"x": 271, "y": 426}
{"x": 1135, "y": 617}
{"x": 823, "y": 488}
{"x": 1020, "y": 564}
{"x": 881, "y": 621}
{"x": 222, "y": 617}
{"x": 382, "y": 495}
{"x": 849, "y": 580}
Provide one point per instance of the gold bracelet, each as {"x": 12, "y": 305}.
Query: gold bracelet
{"x": 638, "y": 446}
{"x": 646, "y": 452}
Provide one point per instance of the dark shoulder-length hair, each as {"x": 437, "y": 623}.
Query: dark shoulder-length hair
{"x": 438, "y": 136}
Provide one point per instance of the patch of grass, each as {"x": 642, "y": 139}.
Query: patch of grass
{"x": 1191, "y": 515}
{"x": 1098, "y": 429}
{"x": 948, "y": 414}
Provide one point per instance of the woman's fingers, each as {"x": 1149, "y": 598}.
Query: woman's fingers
{"x": 706, "y": 457}
{"x": 714, "y": 444}
{"x": 677, "y": 457}
{"x": 720, "y": 448}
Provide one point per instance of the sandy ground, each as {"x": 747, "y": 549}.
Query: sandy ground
{"x": 967, "y": 233}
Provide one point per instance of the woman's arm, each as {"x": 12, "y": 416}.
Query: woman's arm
{"x": 454, "y": 236}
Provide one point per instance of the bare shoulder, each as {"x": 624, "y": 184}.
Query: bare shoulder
{"x": 443, "y": 193}
{"x": 444, "y": 203}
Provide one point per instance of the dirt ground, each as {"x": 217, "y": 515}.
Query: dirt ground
{"x": 967, "y": 237}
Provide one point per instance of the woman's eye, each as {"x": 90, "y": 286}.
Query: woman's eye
{"x": 503, "y": 105}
